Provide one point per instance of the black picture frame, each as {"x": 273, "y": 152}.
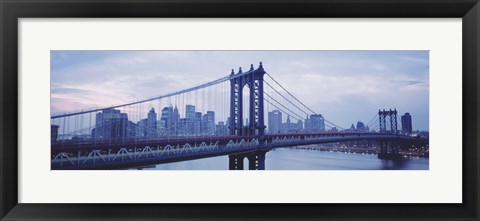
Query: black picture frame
{"x": 12, "y": 10}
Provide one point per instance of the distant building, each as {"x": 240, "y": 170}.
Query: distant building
{"x": 361, "y": 126}
{"x": 166, "y": 119}
{"x": 152, "y": 123}
{"x": 221, "y": 129}
{"x": 228, "y": 124}
{"x": 197, "y": 123}
{"x": 317, "y": 123}
{"x": 53, "y": 134}
{"x": 287, "y": 126}
{"x": 111, "y": 124}
{"x": 160, "y": 127}
{"x": 407, "y": 123}
{"x": 299, "y": 125}
{"x": 190, "y": 111}
{"x": 308, "y": 125}
{"x": 176, "y": 118}
{"x": 185, "y": 126}
{"x": 142, "y": 128}
{"x": 274, "y": 122}
{"x": 208, "y": 122}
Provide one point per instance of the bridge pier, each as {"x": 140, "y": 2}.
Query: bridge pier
{"x": 235, "y": 162}
{"x": 389, "y": 150}
{"x": 256, "y": 160}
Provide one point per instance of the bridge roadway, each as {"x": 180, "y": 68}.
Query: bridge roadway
{"x": 91, "y": 154}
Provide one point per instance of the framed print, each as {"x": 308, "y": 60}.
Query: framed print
{"x": 298, "y": 110}
{"x": 192, "y": 128}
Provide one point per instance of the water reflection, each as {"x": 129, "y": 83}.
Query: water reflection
{"x": 296, "y": 159}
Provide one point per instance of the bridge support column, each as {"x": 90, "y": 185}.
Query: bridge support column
{"x": 256, "y": 160}
{"x": 389, "y": 150}
{"x": 235, "y": 162}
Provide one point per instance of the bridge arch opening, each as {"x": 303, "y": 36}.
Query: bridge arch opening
{"x": 247, "y": 130}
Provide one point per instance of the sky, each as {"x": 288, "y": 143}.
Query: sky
{"x": 344, "y": 86}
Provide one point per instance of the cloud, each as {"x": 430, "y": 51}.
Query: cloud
{"x": 345, "y": 86}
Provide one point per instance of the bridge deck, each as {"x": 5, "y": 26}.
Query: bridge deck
{"x": 98, "y": 155}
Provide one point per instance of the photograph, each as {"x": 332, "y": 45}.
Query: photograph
{"x": 203, "y": 110}
{"x": 239, "y": 110}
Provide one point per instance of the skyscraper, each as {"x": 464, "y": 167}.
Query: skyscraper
{"x": 317, "y": 123}
{"x": 197, "y": 124}
{"x": 308, "y": 125}
{"x": 152, "y": 123}
{"x": 189, "y": 111}
{"x": 142, "y": 128}
{"x": 110, "y": 124}
{"x": 190, "y": 119}
{"x": 176, "y": 118}
{"x": 167, "y": 120}
{"x": 274, "y": 121}
{"x": 210, "y": 123}
{"x": 407, "y": 123}
{"x": 53, "y": 133}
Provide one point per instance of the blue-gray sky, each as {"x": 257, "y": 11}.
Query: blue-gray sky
{"x": 344, "y": 86}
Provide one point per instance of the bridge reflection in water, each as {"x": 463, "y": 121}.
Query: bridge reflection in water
{"x": 299, "y": 158}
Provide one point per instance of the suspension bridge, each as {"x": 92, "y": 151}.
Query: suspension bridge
{"x": 225, "y": 116}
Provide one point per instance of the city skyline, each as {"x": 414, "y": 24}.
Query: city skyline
{"x": 77, "y": 84}
{"x": 170, "y": 122}
{"x": 158, "y": 108}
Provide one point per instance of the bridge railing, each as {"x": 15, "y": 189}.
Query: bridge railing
{"x": 148, "y": 154}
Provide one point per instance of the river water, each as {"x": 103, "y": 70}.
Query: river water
{"x": 298, "y": 159}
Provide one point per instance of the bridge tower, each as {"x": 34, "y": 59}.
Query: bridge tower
{"x": 253, "y": 78}
{"x": 392, "y": 115}
{"x": 389, "y": 149}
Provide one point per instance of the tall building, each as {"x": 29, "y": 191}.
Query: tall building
{"x": 142, "y": 128}
{"x": 197, "y": 123}
{"x": 210, "y": 123}
{"x": 221, "y": 129}
{"x": 111, "y": 124}
{"x": 53, "y": 134}
{"x": 167, "y": 120}
{"x": 407, "y": 123}
{"x": 189, "y": 111}
{"x": 308, "y": 124}
{"x": 176, "y": 118}
{"x": 185, "y": 126}
{"x": 152, "y": 123}
{"x": 274, "y": 122}
{"x": 317, "y": 123}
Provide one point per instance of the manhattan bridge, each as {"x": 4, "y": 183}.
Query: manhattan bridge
{"x": 108, "y": 138}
